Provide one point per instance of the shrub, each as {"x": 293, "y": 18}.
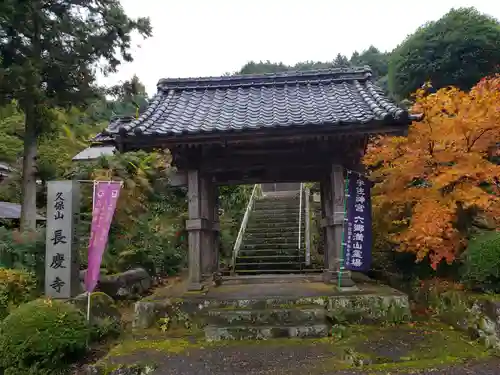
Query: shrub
{"x": 23, "y": 250}
{"x": 482, "y": 262}
{"x": 16, "y": 287}
{"x": 44, "y": 335}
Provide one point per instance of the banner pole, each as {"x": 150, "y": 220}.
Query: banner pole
{"x": 346, "y": 194}
{"x": 88, "y": 292}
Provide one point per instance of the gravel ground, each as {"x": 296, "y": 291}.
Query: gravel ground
{"x": 423, "y": 345}
{"x": 298, "y": 360}
{"x": 289, "y": 362}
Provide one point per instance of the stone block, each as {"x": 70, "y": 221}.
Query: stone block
{"x": 216, "y": 333}
{"x": 267, "y": 316}
{"x": 369, "y": 309}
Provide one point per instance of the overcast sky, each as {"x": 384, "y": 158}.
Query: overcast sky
{"x": 193, "y": 38}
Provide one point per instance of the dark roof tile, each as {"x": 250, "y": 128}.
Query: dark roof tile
{"x": 233, "y": 103}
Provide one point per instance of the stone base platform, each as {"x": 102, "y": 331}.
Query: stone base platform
{"x": 271, "y": 310}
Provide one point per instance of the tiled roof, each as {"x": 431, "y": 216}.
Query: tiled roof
{"x": 332, "y": 97}
{"x": 13, "y": 211}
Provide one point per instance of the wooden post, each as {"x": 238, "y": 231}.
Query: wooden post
{"x": 332, "y": 204}
{"x": 343, "y": 277}
{"x": 198, "y": 227}
{"x": 327, "y": 207}
{"x": 207, "y": 210}
{"x": 215, "y": 227}
{"x": 308, "y": 225}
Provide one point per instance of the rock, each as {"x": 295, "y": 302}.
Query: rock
{"x": 120, "y": 370}
{"x": 146, "y": 313}
{"x": 489, "y": 341}
{"x": 102, "y": 306}
{"x": 487, "y": 326}
{"x": 477, "y": 315}
{"x": 126, "y": 285}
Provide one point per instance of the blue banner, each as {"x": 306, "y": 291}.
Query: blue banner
{"x": 357, "y": 223}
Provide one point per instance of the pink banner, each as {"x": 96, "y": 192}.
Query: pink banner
{"x": 105, "y": 197}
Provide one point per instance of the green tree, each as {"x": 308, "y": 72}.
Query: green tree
{"x": 378, "y": 62}
{"x": 341, "y": 61}
{"x": 49, "y": 53}
{"x": 130, "y": 97}
{"x": 458, "y": 49}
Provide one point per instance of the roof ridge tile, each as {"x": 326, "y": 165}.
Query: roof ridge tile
{"x": 272, "y": 79}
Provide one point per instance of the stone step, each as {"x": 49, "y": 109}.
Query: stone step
{"x": 302, "y": 315}
{"x": 269, "y": 258}
{"x": 270, "y": 246}
{"x": 255, "y": 303}
{"x": 292, "y": 207}
{"x": 268, "y": 253}
{"x": 272, "y": 271}
{"x": 276, "y": 211}
{"x": 283, "y": 265}
{"x": 281, "y": 226}
{"x": 278, "y": 199}
{"x": 314, "y": 275}
{"x": 281, "y": 240}
{"x": 252, "y": 232}
{"x": 218, "y": 333}
{"x": 264, "y": 205}
{"x": 275, "y": 219}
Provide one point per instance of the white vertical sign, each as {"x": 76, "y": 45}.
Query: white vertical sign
{"x": 61, "y": 251}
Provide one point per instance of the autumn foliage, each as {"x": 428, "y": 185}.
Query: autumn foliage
{"x": 432, "y": 184}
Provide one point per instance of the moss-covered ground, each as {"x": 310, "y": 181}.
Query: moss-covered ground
{"x": 354, "y": 350}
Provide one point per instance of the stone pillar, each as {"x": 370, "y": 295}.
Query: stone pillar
{"x": 61, "y": 254}
{"x": 333, "y": 223}
{"x": 199, "y": 227}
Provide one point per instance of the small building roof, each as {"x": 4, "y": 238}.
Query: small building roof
{"x": 319, "y": 98}
{"x": 13, "y": 211}
{"x": 94, "y": 152}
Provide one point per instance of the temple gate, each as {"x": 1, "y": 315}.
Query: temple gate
{"x": 272, "y": 128}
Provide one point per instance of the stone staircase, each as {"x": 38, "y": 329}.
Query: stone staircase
{"x": 270, "y": 241}
{"x": 270, "y": 253}
{"x": 266, "y": 319}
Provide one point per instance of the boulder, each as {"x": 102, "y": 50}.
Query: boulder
{"x": 147, "y": 313}
{"x": 126, "y": 285}
{"x": 103, "y": 312}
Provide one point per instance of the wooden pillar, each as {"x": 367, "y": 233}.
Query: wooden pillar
{"x": 329, "y": 240}
{"x": 199, "y": 227}
{"x": 210, "y": 236}
{"x": 332, "y": 223}
{"x": 307, "y": 214}
{"x": 215, "y": 227}
{"x": 207, "y": 204}
{"x": 322, "y": 199}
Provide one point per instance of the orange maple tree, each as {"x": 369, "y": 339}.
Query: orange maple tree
{"x": 431, "y": 183}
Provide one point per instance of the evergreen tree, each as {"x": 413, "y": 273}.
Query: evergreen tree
{"x": 49, "y": 54}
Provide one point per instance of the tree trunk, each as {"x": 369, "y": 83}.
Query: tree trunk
{"x": 28, "y": 206}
